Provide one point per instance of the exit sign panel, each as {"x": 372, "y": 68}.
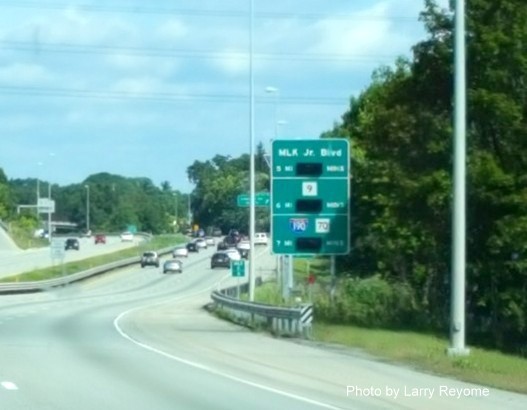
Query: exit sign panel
{"x": 310, "y": 196}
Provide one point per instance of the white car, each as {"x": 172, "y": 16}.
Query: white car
{"x": 127, "y": 237}
{"x": 261, "y": 238}
{"x": 183, "y": 251}
{"x": 201, "y": 243}
{"x": 210, "y": 241}
{"x": 244, "y": 245}
{"x": 233, "y": 254}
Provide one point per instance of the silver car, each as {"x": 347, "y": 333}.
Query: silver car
{"x": 182, "y": 252}
{"x": 173, "y": 265}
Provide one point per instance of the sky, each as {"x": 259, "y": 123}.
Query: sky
{"x": 144, "y": 89}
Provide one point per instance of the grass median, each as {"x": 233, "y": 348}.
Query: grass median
{"x": 418, "y": 350}
{"x": 59, "y": 270}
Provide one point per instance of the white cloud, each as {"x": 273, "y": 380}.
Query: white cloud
{"x": 143, "y": 64}
{"x": 138, "y": 85}
{"x": 24, "y": 74}
{"x": 233, "y": 63}
{"x": 359, "y": 36}
{"x": 171, "y": 30}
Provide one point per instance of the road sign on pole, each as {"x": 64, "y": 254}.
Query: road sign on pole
{"x": 57, "y": 249}
{"x": 238, "y": 269}
{"x": 45, "y": 206}
{"x": 310, "y": 197}
{"x": 261, "y": 199}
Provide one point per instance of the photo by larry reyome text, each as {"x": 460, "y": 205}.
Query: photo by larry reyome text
{"x": 417, "y": 392}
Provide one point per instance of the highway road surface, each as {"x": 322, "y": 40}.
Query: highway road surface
{"x": 14, "y": 260}
{"x": 140, "y": 339}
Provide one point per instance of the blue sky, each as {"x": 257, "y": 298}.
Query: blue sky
{"x": 143, "y": 89}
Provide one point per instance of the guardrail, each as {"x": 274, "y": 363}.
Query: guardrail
{"x": 282, "y": 321}
{"x": 43, "y": 285}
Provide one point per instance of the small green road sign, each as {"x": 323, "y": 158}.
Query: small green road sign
{"x": 261, "y": 199}
{"x": 310, "y": 196}
{"x": 238, "y": 269}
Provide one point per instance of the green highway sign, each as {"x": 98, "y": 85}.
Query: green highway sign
{"x": 238, "y": 269}
{"x": 261, "y": 199}
{"x": 310, "y": 197}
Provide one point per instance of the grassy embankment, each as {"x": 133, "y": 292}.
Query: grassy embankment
{"x": 419, "y": 350}
{"x": 157, "y": 242}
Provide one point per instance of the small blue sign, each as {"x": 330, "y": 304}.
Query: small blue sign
{"x": 298, "y": 224}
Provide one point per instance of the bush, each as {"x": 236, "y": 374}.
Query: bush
{"x": 370, "y": 302}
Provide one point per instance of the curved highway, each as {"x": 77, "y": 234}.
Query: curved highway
{"x": 14, "y": 261}
{"x": 139, "y": 339}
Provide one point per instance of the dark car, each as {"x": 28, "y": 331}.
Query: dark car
{"x": 150, "y": 259}
{"x": 173, "y": 265}
{"x": 192, "y": 247}
{"x": 232, "y": 238}
{"x": 222, "y": 246}
{"x": 220, "y": 260}
{"x": 99, "y": 238}
{"x": 72, "y": 243}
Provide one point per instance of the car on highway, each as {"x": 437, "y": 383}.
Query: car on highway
{"x": 217, "y": 232}
{"x": 234, "y": 254}
{"x": 220, "y": 260}
{"x": 85, "y": 234}
{"x": 244, "y": 247}
{"x": 127, "y": 237}
{"x": 201, "y": 243}
{"x": 210, "y": 241}
{"x": 173, "y": 265}
{"x": 261, "y": 238}
{"x": 181, "y": 251}
{"x": 100, "y": 238}
{"x": 150, "y": 258}
{"x": 222, "y": 246}
{"x": 72, "y": 243}
{"x": 192, "y": 247}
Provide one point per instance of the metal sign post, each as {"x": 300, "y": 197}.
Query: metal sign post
{"x": 238, "y": 271}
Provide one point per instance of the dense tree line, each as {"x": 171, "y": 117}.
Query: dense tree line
{"x": 218, "y": 183}
{"x": 115, "y": 202}
{"x": 400, "y": 128}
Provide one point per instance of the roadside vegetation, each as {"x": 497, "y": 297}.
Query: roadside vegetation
{"x": 365, "y": 315}
{"x": 22, "y": 229}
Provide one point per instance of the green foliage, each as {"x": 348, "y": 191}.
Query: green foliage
{"x": 401, "y": 132}
{"x": 370, "y": 302}
{"x": 218, "y": 183}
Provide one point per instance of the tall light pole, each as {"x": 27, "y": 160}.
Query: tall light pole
{"x": 252, "y": 270}
{"x": 457, "y": 323}
{"x": 50, "y": 230}
{"x": 189, "y": 212}
{"x": 285, "y": 277}
{"x": 87, "y": 208}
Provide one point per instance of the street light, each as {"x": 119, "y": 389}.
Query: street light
{"x": 87, "y": 208}
{"x": 252, "y": 213}
{"x": 276, "y": 92}
{"x": 49, "y": 212}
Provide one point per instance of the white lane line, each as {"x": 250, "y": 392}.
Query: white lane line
{"x": 204, "y": 367}
{"x": 9, "y": 385}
